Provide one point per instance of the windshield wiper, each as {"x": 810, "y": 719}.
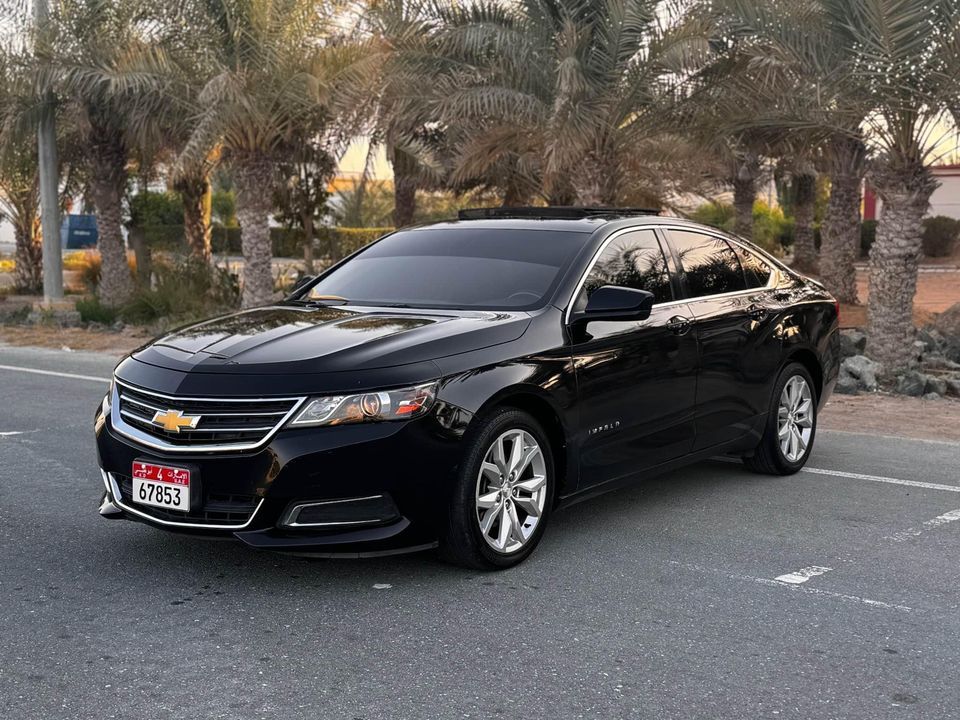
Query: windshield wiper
{"x": 324, "y": 300}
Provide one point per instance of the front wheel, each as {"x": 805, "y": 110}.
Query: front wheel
{"x": 791, "y": 425}
{"x": 503, "y": 495}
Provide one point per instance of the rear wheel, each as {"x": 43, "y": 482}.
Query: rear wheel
{"x": 504, "y": 493}
{"x": 791, "y": 425}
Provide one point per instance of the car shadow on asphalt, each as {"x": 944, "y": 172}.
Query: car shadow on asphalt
{"x": 226, "y": 561}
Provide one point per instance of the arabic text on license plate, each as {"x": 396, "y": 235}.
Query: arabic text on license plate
{"x": 161, "y": 486}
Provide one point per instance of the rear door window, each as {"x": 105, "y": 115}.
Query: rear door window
{"x": 710, "y": 265}
{"x": 634, "y": 260}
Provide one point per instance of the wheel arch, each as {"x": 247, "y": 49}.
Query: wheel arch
{"x": 532, "y": 402}
{"x": 811, "y": 362}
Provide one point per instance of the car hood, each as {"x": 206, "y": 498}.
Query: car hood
{"x": 289, "y": 339}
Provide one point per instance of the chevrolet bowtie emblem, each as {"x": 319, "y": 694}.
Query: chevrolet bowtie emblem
{"x": 173, "y": 420}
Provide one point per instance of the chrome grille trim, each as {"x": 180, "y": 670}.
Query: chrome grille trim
{"x": 129, "y": 402}
{"x": 111, "y": 482}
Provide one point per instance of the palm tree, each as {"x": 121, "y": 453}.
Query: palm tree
{"x": 20, "y": 206}
{"x": 908, "y": 59}
{"x": 580, "y": 86}
{"x": 302, "y": 193}
{"x": 804, "y": 200}
{"x": 19, "y": 182}
{"x": 104, "y": 68}
{"x": 786, "y": 74}
{"x": 387, "y": 82}
{"x": 269, "y": 82}
{"x": 845, "y": 161}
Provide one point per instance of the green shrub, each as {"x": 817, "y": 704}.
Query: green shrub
{"x": 337, "y": 243}
{"x": 940, "y": 235}
{"x": 88, "y": 264}
{"x": 333, "y": 242}
{"x": 223, "y": 207}
{"x": 225, "y": 240}
{"x": 286, "y": 242}
{"x": 91, "y": 310}
{"x": 715, "y": 214}
{"x": 155, "y": 208}
{"x": 185, "y": 290}
{"x": 868, "y": 233}
{"x": 771, "y": 230}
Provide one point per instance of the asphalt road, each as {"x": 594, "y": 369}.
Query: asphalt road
{"x": 660, "y": 601}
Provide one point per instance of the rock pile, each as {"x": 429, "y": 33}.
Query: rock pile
{"x": 938, "y": 362}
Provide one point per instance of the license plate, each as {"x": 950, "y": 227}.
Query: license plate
{"x": 161, "y": 486}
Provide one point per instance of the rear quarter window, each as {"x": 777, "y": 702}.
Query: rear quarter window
{"x": 756, "y": 270}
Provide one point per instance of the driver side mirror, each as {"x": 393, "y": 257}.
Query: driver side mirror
{"x": 614, "y": 303}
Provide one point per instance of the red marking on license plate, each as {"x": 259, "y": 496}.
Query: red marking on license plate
{"x": 161, "y": 473}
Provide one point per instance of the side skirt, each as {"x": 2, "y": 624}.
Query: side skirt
{"x": 737, "y": 447}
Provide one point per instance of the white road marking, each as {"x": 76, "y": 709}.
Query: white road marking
{"x": 71, "y": 376}
{"x": 799, "y": 588}
{"x": 11, "y": 432}
{"x": 882, "y": 479}
{"x": 382, "y": 586}
{"x": 939, "y": 520}
{"x": 862, "y": 476}
{"x": 802, "y": 575}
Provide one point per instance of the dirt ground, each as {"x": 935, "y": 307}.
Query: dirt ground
{"x": 894, "y": 415}
{"x": 936, "y": 291}
{"x": 108, "y": 343}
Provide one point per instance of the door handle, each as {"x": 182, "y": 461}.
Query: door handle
{"x": 757, "y": 312}
{"x": 678, "y": 325}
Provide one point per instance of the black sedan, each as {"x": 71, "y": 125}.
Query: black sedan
{"x": 451, "y": 385}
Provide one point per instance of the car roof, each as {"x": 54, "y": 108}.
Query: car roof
{"x": 580, "y": 225}
{"x": 586, "y": 225}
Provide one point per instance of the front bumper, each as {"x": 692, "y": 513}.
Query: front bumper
{"x": 348, "y": 490}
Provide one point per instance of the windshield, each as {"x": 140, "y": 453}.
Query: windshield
{"x": 492, "y": 269}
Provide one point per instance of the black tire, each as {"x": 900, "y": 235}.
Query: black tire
{"x": 768, "y": 458}
{"x": 462, "y": 541}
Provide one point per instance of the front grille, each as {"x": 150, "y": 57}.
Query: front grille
{"x": 224, "y": 424}
{"x": 217, "y": 508}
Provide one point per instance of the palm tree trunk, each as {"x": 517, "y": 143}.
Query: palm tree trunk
{"x": 405, "y": 183}
{"x": 840, "y": 232}
{"x": 894, "y": 259}
{"x": 196, "y": 195}
{"x": 804, "y": 245}
{"x": 514, "y": 195}
{"x": 595, "y": 181}
{"x": 28, "y": 276}
{"x": 254, "y": 204}
{"x": 745, "y": 194}
{"x": 108, "y": 184}
{"x": 306, "y": 220}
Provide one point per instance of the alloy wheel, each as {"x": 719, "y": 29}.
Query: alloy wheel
{"x": 795, "y": 418}
{"x": 511, "y": 491}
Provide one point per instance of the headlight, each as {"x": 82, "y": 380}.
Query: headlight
{"x": 104, "y": 408}
{"x": 374, "y": 406}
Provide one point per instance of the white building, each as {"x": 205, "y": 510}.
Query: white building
{"x": 944, "y": 201}
{"x": 946, "y": 198}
